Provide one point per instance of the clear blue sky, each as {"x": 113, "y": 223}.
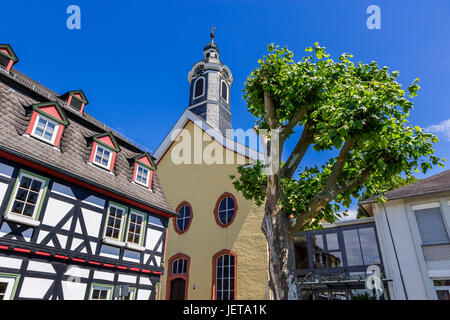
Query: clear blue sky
{"x": 131, "y": 58}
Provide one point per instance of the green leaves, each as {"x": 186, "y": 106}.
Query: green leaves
{"x": 343, "y": 99}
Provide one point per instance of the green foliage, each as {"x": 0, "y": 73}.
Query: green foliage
{"x": 343, "y": 99}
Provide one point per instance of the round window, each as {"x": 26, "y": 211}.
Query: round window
{"x": 226, "y": 210}
{"x": 183, "y": 220}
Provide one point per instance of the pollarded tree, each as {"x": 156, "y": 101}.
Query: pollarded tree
{"x": 358, "y": 110}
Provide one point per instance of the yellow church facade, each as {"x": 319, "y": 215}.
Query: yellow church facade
{"x": 201, "y": 187}
{"x": 215, "y": 247}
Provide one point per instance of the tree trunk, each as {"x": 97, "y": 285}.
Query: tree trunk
{"x": 281, "y": 252}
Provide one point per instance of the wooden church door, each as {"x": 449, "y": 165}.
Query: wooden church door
{"x": 177, "y": 289}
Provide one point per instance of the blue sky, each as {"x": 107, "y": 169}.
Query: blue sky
{"x": 132, "y": 58}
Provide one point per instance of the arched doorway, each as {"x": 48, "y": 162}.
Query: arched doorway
{"x": 178, "y": 277}
{"x": 177, "y": 289}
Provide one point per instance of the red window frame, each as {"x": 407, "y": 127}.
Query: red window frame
{"x": 216, "y": 209}
{"x": 214, "y": 271}
{"x": 175, "y": 227}
{"x": 184, "y": 276}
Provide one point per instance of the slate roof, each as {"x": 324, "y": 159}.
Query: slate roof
{"x": 433, "y": 184}
{"x": 76, "y": 143}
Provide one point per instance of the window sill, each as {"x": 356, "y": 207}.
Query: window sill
{"x": 22, "y": 220}
{"x": 134, "y": 247}
{"x": 113, "y": 242}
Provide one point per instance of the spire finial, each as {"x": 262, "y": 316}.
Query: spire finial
{"x": 212, "y": 34}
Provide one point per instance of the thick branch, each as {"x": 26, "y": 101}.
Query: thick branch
{"x": 329, "y": 191}
{"x": 298, "y": 153}
{"x": 294, "y": 121}
{"x": 271, "y": 112}
{"x": 340, "y": 162}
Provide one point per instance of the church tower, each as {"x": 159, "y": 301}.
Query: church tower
{"x": 210, "y": 82}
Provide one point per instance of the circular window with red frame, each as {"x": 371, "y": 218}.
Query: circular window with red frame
{"x": 225, "y": 210}
{"x": 182, "y": 223}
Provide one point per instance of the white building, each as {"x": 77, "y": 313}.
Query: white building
{"x": 413, "y": 232}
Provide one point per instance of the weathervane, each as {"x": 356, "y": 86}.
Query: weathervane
{"x": 212, "y": 34}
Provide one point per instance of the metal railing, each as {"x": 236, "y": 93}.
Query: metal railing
{"x": 41, "y": 90}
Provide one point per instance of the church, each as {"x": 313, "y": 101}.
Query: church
{"x": 216, "y": 249}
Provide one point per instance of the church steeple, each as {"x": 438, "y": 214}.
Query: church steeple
{"x": 211, "y": 81}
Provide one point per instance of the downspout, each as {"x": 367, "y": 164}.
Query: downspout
{"x": 395, "y": 252}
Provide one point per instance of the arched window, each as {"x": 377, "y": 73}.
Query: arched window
{"x": 184, "y": 219}
{"x": 199, "y": 87}
{"x": 224, "y": 275}
{"x": 225, "y": 210}
{"x": 224, "y": 91}
{"x": 179, "y": 266}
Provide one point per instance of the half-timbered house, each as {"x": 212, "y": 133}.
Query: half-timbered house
{"x": 83, "y": 215}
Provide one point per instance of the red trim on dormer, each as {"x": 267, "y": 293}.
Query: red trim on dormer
{"x": 113, "y": 161}
{"x": 9, "y": 66}
{"x": 51, "y": 110}
{"x": 4, "y": 50}
{"x": 150, "y": 178}
{"x": 61, "y": 127}
{"x": 82, "y": 108}
{"x": 107, "y": 140}
{"x": 150, "y": 174}
{"x": 59, "y": 135}
{"x": 144, "y": 159}
{"x": 94, "y": 147}
{"x": 32, "y": 121}
{"x": 113, "y": 156}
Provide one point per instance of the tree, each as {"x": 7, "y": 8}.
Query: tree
{"x": 359, "y": 111}
{"x": 395, "y": 182}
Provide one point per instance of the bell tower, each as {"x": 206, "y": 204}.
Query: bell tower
{"x": 211, "y": 82}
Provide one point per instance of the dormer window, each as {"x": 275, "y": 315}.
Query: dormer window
{"x": 199, "y": 87}
{"x": 76, "y": 99}
{"x": 224, "y": 91}
{"x": 7, "y": 57}
{"x": 104, "y": 151}
{"x": 47, "y": 123}
{"x": 143, "y": 170}
{"x": 45, "y": 129}
{"x": 103, "y": 156}
{"x": 142, "y": 175}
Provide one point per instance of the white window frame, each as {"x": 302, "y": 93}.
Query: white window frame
{"x": 132, "y": 245}
{"x": 183, "y": 218}
{"x": 230, "y": 278}
{"x": 11, "y": 281}
{"x": 148, "y": 175}
{"x": 430, "y": 205}
{"x": 226, "y": 210}
{"x": 20, "y": 217}
{"x": 108, "y": 166}
{"x": 55, "y": 132}
{"x": 228, "y": 91}
{"x": 441, "y": 288}
{"x": 180, "y": 262}
{"x": 203, "y": 90}
{"x": 110, "y": 240}
{"x": 99, "y": 287}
